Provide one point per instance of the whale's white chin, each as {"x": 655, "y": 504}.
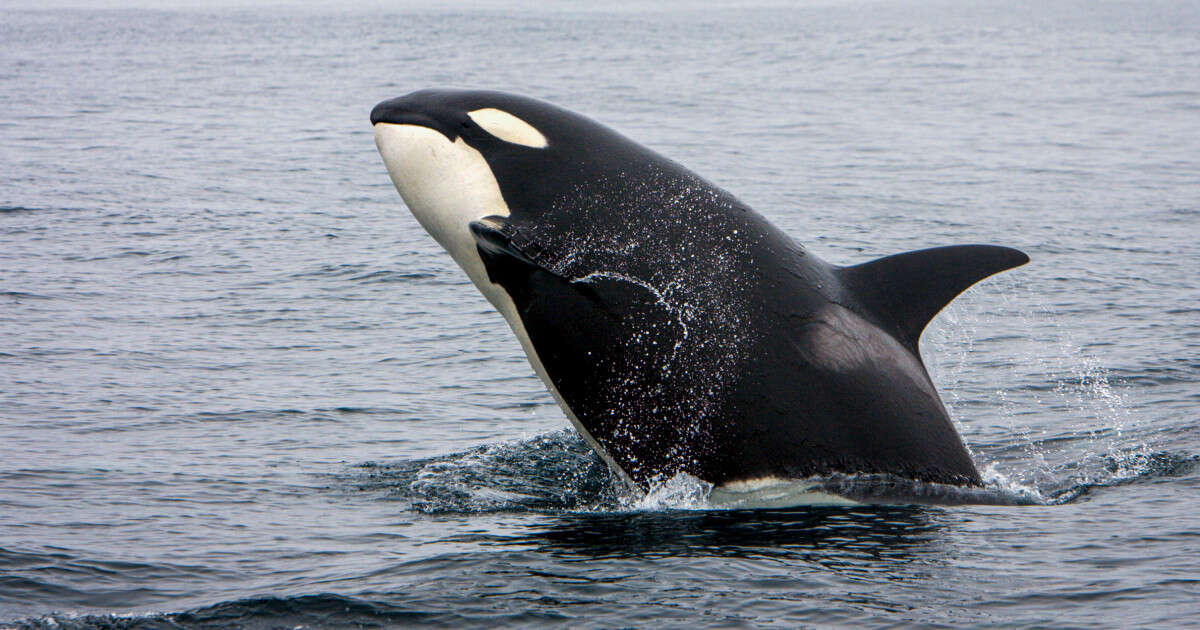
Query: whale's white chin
{"x": 446, "y": 185}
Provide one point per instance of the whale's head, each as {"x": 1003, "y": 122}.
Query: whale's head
{"x": 457, "y": 156}
{"x": 437, "y": 145}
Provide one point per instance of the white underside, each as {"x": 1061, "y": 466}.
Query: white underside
{"x": 447, "y": 185}
{"x": 773, "y": 492}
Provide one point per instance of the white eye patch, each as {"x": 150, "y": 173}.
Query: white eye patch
{"x": 508, "y": 128}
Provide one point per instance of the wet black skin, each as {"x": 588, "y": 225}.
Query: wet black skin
{"x": 687, "y": 333}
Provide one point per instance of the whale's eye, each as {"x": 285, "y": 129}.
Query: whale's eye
{"x": 508, "y": 128}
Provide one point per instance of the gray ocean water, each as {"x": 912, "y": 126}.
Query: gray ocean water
{"x": 240, "y": 386}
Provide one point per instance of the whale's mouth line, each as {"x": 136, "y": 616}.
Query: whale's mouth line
{"x": 416, "y": 119}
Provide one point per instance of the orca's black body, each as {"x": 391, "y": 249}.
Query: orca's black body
{"x": 685, "y": 332}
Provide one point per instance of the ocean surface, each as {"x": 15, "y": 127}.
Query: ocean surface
{"x": 240, "y": 387}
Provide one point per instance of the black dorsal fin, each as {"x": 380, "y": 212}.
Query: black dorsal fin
{"x": 907, "y": 290}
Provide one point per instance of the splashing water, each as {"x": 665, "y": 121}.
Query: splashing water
{"x": 1048, "y": 371}
{"x": 558, "y": 472}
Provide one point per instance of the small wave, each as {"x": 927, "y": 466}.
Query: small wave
{"x": 22, "y": 295}
{"x": 392, "y": 276}
{"x": 72, "y": 581}
{"x": 362, "y": 274}
{"x": 306, "y": 611}
{"x": 1122, "y": 468}
{"x": 553, "y": 471}
{"x": 327, "y": 271}
{"x": 1182, "y": 94}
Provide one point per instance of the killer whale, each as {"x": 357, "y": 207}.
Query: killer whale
{"x": 679, "y": 330}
